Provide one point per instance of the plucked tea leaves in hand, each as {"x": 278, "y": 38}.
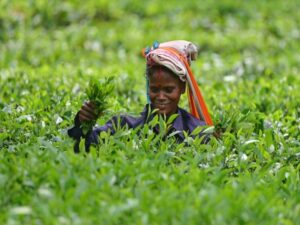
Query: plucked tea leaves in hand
{"x": 98, "y": 93}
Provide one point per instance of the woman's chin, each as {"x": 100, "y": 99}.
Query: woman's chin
{"x": 163, "y": 109}
{"x": 162, "y": 112}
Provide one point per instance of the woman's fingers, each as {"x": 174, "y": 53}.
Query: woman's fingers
{"x": 89, "y": 108}
{"x": 83, "y": 117}
{"x": 91, "y": 105}
{"x": 87, "y": 112}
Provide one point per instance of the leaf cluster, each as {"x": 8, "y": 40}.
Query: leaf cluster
{"x": 98, "y": 93}
{"x": 248, "y": 70}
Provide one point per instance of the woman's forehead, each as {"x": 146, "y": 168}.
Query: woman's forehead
{"x": 161, "y": 76}
{"x": 164, "y": 79}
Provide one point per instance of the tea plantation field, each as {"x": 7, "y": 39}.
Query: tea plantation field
{"x": 249, "y": 74}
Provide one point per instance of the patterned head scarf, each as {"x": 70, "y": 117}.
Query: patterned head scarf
{"x": 177, "y": 56}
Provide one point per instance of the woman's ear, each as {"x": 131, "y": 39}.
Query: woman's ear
{"x": 183, "y": 88}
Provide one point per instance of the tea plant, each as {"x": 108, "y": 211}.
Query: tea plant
{"x": 98, "y": 93}
{"x": 248, "y": 72}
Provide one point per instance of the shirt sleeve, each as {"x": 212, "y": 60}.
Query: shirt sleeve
{"x": 92, "y": 136}
{"x": 75, "y": 132}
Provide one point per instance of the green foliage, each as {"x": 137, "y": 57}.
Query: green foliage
{"x": 98, "y": 93}
{"x": 248, "y": 72}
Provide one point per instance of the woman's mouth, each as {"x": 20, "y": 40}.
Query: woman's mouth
{"x": 161, "y": 105}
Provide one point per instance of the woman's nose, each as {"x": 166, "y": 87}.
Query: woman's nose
{"x": 161, "y": 95}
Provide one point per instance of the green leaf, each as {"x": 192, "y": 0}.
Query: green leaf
{"x": 98, "y": 92}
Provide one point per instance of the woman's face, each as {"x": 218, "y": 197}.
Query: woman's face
{"x": 165, "y": 90}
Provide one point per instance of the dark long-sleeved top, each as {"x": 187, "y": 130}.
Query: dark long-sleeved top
{"x": 184, "y": 122}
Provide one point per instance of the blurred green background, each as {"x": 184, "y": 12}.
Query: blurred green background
{"x": 248, "y": 70}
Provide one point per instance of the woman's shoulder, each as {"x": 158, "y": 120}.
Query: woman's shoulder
{"x": 191, "y": 123}
{"x": 190, "y": 120}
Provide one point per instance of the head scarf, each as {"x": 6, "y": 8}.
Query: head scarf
{"x": 177, "y": 56}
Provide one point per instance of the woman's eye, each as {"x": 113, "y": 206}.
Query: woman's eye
{"x": 169, "y": 90}
{"x": 154, "y": 90}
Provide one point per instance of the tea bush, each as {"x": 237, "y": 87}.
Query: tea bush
{"x": 248, "y": 71}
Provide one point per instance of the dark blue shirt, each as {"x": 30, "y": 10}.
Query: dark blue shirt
{"x": 184, "y": 122}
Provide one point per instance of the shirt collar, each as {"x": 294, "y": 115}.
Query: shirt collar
{"x": 177, "y": 124}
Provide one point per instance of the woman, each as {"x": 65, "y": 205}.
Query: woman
{"x": 168, "y": 74}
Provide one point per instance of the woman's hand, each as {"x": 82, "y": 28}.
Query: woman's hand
{"x": 87, "y": 112}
